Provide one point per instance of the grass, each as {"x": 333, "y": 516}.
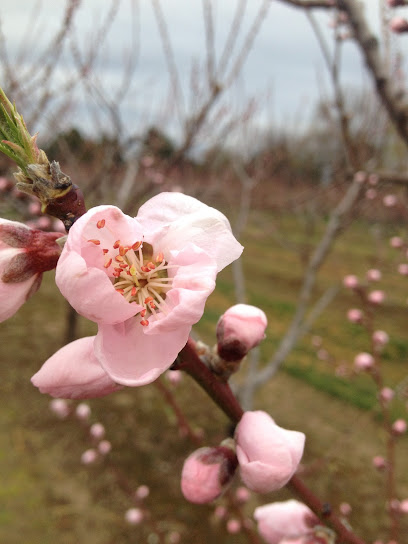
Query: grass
{"x": 48, "y": 497}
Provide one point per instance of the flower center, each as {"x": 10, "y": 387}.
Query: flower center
{"x": 138, "y": 275}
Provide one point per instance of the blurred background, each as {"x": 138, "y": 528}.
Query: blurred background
{"x": 266, "y": 111}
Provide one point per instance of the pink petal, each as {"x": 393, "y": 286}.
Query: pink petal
{"x": 13, "y": 295}
{"x": 74, "y": 372}
{"x": 133, "y": 358}
{"x": 179, "y": 219}
{"x": 193, "y": 282}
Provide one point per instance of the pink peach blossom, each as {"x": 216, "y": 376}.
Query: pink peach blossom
{"x": 104, "y": 447}
{"x": 399, "y": 426}
{"x": 387, "y": 394}
{"x": 206, "y": 473}
{"x": 379, "y": 462}
{"x": 355, "y": 315}
{"x": 390, "y": 200}
{"x": 74, "y": 372}
{"x": 60, "y": 408}
{"x": 233, "y": 526}
{"x": 380, "y": 338}
{"x": 284, "y": 520}
{"x": 376, "y": 297}
{"x": 239, "y": 329}
{"x": 89, "y": 457}
{"x": 24, "y": 255}
{"x": 97, "y": 431}
{"x": 144, "y": 280}
{"x": 134, "y": 516}
{"x": 373, "y": 274}
{"x": 268, "y": 455}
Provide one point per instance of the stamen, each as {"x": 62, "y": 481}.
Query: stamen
{"x": 134, "y": 291}
{"x": 144, "y": 322}
{"x": 148, "y": 299}
{"x": 119, "y": 259}
{"x": 121, "y": 291}
{"x": 136, "y": 246}
{"x": 150, "y": 265}
{"x": 105, "y": 251}
{"x": 122, "y": 250}
{"x": 143, "y": 312}
{"x": 108, "y": 263}
{"x": 160, "y": 257}
{"x": 100, "y": 224}
{"x": 116, "y": 244}
{"x": 96, "y": 242}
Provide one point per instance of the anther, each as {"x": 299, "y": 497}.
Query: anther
{"x": 119, "y": 259}
{"x": 145, "y": 269}
{"x": 148, "y": 299}
{"x": 144, "y": 322}
{"x": 136, "y": 246}
{"x": 133, "y": 291}
{"x": 116, "y": 244}
{"x": 96, "y": 242}
{"x": 108, "y": 263}
{"x": 105, "y": 251}
{"x": 151, "y": 266}
{"x": 160, "y": 257}
{"x": 143, "y": 312}
{"x": 100, "y": 224}
{"x": 122, "y": 250}
{"x": 121, "y": 291}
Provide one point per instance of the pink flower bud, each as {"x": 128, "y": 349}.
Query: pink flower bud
{"x": 404, "y": 506}
{"x": 396, "y": 242}
{"x": 370, "y": 194}
{"x": 104, "y": 447}
{"x": 174, "y": 376}
{"x": 376, "y": 297}
{"x": 60, "y": 408}
{"x": 142, "y": 492}
{"x": 233, "y": 526}
{"x": 207, "y": 472}
{"x": 24, "y": 255}
{"x": 360, "y": 177}
{"x": 34, "y": 207}
{"x": 83, "y": 411}
{"x": 380, "y": 338}
{"x": 373, "y": 274}
{"x": 364, "y": 361}
{"x": 220, "y": 512}
{"x": 134, "y": 516}
{"x": 355, "y": 315}
{"x": 403, "y": 269}
{"x": 399, "y": 426}
{"x": 174, "y": 537}
{"x": 268, "y": 455}
{"x": 89, "y": 457}
{"x": 284, "y": 520}
{"x": 390, "y": 200}
{"x": 239, "y": 329}
{"x": 399, "y": 25}
{"x": 350, "y": 281}
{"x": 379, "y": 462}
{"x": 373, "y": 179}
{"x": 242, "y": 494}
{"x": 387, "y": 394}
{"x": 345, "y": 509}
{"x": 97, "y": 431}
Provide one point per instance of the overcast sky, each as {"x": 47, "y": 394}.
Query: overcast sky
{"x": 284, "y": 70}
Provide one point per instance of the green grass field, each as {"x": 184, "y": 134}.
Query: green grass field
{"x": 47, "y": 496}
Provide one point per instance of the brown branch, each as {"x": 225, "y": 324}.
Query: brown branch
{"x": 392, "y": 98}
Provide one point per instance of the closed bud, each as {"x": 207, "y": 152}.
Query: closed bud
{"x": 239, "y": 329}
{"x": 207, "y": 472}
{"x": 24, "y": 255}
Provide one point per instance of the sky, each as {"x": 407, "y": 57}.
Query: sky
{"x": 284, "y": 70}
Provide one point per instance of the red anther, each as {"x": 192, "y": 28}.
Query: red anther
{"x": 128, "y": 273}
{"x": 133, "y": 291}
{"x": 160, "y": 257}
{"x": 136, "y": 246}
{"x": 123, "y": 266}
{"x": 119, "y": 258}
{"x": 152, "y": 305}
{"x": 96, "y": 242}
{"x": 150, "y": 265}
{"x": 119, "y": 270}
{"x": 145, "y": 269}
{"x": 108, "y": 263}
{"x": 148, "y": 299}
{"x": 105, "y": 251}
{"x": 100, "y": 224}
{"x": 144, "y": 322}
{"x": 122, "y": 250}
{"x": 121, "y": 291}
{"x": 116, "y": 244}
{"x": 143, "y": 312}
{"x": 116, "y": 274}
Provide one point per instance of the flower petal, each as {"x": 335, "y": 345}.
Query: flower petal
{"x": 179, "y": 219}
{"x": 13, "y": 295}
{"x": 74, "y": 372}
{"x": 133, "y": 358}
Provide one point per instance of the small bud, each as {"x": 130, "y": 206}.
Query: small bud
{"x": 379, "y": 462}
{"x": 104, "y": 447}
{"x": 370, "y": 194}
{"x": 376, "y": 297}
{"x": 174, "y": 376}
{"x": 399, "y": 25}
{"x": 239, "y": 329}
{"x": 134, "y": 516}
{"x": 97, "y": 431}
{"x": 364, "y": 361}
{"x": 404, "y": 506}
{"x": 142, "y": 492}
{"x": 403, "y": 269}
{"x": 83, "y": 411}
{"x": 391, "y": 200}
{"x": 373, "y": 274}
{"x": 220, "y": 512}
{"x": 345, "y": 509}
{"x": 60, "y": 408}
{"x": 399, "y": 426}
{"x": 233, "y": 526}
{"x": 242, "y": 494}
{"x": 380, "y": 338}
{"x": 360, "y": 177}
{"x": 396, "y": 242}
{"x": 350, "y": 281}
{"x": 386, "y": 394}
{"x": 89, "y": 457}
{"x": 207, "y": 472}
{"x": 355, "y": 315}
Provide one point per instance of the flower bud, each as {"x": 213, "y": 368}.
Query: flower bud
{"x": 399, "y": 426}
{"x": 364, "y": 361}
{"x": 83, "y": 411}
{"x": 350, "y": 281}
{"x": 376, "y": 297}
{"x": 239, "y": 329}
{"x": 268, "y": 455}
{"x": 398, "y": 25}
{"x": 60, "y": 408}
{"x": 355, "y": 315}
{"x": 134, "y": 516}
{"x": 284, "y": 520}
{"x": 233, "y": 526}
{"x": 24, "y": 255}
{"x": 104, "y": 447}
{"x": 386, "y": 394}
{"x": 373, "y": 274}
{"x": 97, "y": 431}
{"x": 207, "y": 472}
{"x": 391, "y": 200}
{"x": 89, "y": 457}
{"x": 380, "y": 338}
{"x": 379, "y": 462}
